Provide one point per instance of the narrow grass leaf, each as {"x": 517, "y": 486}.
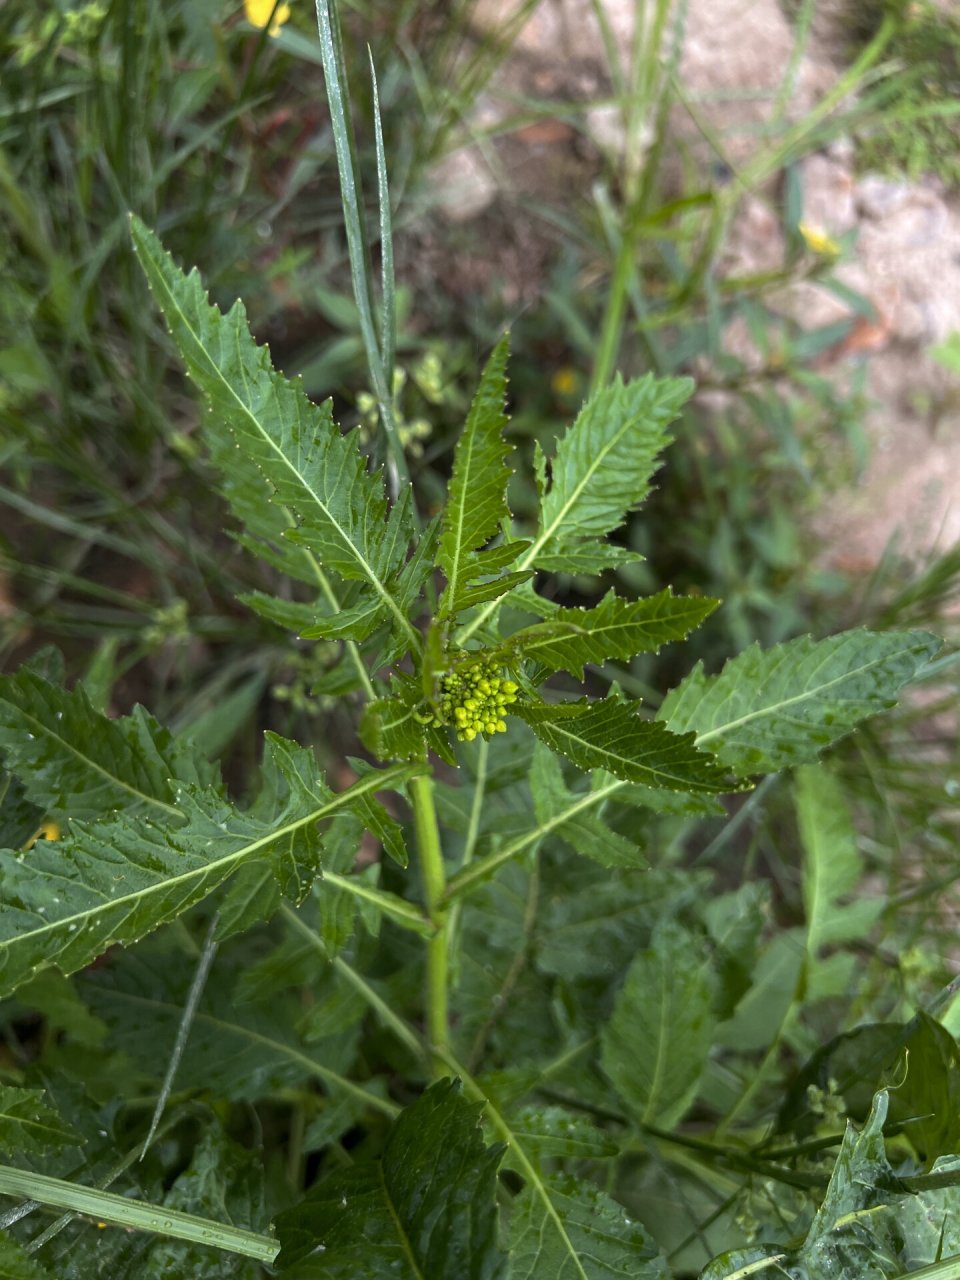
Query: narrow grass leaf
{"x": 135, "y": 1215}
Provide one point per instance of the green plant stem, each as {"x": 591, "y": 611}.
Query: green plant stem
{"x": 400, "y": 912}
{"x": 612, "y": 332}
{"x": 135, "y": 1214}
{"x": 434, "y": 888}
{"x": 469, "y": 848}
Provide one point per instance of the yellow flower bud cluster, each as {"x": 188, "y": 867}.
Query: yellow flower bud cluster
{"x": 474, "y": 699}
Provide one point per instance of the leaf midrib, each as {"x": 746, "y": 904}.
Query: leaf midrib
{"x": 556, "y": 726}
{"x": 405, "y": 1242}
{"x": 451, "y": 591}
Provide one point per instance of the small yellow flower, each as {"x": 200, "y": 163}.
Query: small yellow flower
{"x": 564, "y": 382}
{"x": 46, "y": 831}
{"x": 260, "y": 12}
{"x": 818, "y": 241}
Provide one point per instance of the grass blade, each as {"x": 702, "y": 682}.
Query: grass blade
{"x": 135, "y": 1215}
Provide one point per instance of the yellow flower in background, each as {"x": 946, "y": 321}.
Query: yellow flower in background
{"x": 564, "y": 382}
{"x": 818, "y": 241}
{"x": 260, "y": 12}
{"x": 46, "y": 831}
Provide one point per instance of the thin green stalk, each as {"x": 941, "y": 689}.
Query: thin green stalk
{"x": 469, "y": 846}
{"x": 200, "y": 976}
{"x": 399, "y": 911}
{"x": 135, "y": 1215}
{"x": 481, "y": 870}
{"x": 396, "y": 1024}
{"x": 434, "y": 888}
{"x": 612, "y": 332}
{"x": 351, "y": 196}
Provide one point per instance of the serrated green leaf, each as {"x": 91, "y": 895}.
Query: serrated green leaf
{"x": 315, "y": 471}
{"x": 582, "y": 828}
{"x": 426, "y": 1208}
{"x": 586, "y": 558}
{"x": 391, "y": 730}
{"x": 477, "y": 496}
{"x": 29, "y": 1125}
{"x": 482, "y": 592}
{"x": 656, "y": 1043}
{"x": 614, "y": 628}
{"x": 112, "y": 882}
{"x": 771, "y": 709}
{"x": 74, "y": 762}
{"x": 17, "y": 1265}
{"x": 610, "y": 735}
{"x": 583, "y": 1235}
{"x": 604, "y": 462}
{"x": 315, "y": 621}
{"x": 600, "y": 473}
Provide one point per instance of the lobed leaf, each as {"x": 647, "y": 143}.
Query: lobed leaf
{"x": 74, "y": 762}
{"x": 600, "y": 473}
{"x": 313, "y": 470}
{"x": 111, "y": 882}
{"x": 427, "y": 1207}
{"x": 771, "y": 709}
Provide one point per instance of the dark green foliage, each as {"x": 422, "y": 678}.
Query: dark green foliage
{"x": 426, "y": 1207}
{"x": 563, "y": 987}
